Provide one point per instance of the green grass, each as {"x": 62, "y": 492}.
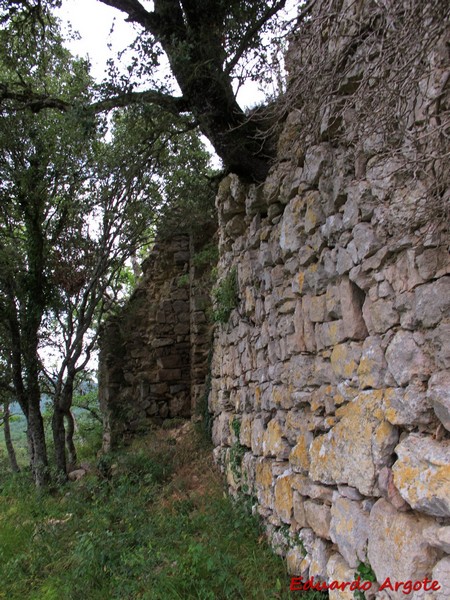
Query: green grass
{"x": 152, "y": 522}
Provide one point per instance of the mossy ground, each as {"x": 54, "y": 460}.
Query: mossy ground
{"x": 150, "y": 522}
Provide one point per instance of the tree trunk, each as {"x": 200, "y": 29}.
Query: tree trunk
{"x": 39, "y": 461}
{"x": 59, "y": 436}
{"x": 71, "y": 450}
{"x": 8, "y": 440}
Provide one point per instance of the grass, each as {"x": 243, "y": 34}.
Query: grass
{"x": 151, "y": 522}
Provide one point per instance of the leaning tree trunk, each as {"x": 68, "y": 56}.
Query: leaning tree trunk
{"x": 61, "y": 437}
{"x": 39, "y": 461}
{"x": 70, "y": 446}
{"x": 8, "y": 440}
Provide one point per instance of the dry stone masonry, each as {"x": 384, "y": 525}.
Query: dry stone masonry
{"x": 331, "y": 380}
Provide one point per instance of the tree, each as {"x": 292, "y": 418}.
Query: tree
{"x": 6, "y": 395}
{"x": 42, "y": 168}
{"x": 211, "y": 46}
{"x": 74, "y": 208}
{"x": 205, "y": 42}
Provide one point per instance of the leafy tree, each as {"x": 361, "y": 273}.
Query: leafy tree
{"x": 212, "y": 46}
{"x": 42, "y": 169}
{"x": 74, "y": 209}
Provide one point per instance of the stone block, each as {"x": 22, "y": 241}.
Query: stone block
{"x": 258, "y": 430}
{"x": 332, "y": 303}
{"x": 397, "y": 548}
{"x": 439, "y": 395}
{"x": 283, "y": 502}
{"x": 317, "y": 159}
{"x": 298, "y": 503}
{"x": 365, "y": 240}
{"x": 290, "y": 238}
{"x": 306, "y": 487}
{"x": 406, "y": 359}
{"x": 422, "y": 474}
{"x": 295, "y": 562}
{"x": 318, "y": 517}
{"x": 441, "y": 573}
{"x": 389, "y": 491}
{"x": 299, "y": 459}
{"x": 339, "y": 570}
{"x": 345, "y": 360}
{"x": 349, "y": 530}
{"x": 433, "y": 301}
{"x": 320, "y": 555}
{"x": 274, "y": 443}
{"x": 314, "y": 216}
{"x": 439, "y": 339}
{"x": 433, "y": 261}
{"x": 372, "y": 367}
{"x": 329, "y": 334}
{"x": 344, "y": 262}
{"x": 438, "y": 537}
{"x": 379, "y": 315}
{"x": 264, "y": 482}
{"x": 245, "y": 434}
{"x": 317, "y": 309}
{"x": 357, "y": 447}
{"x": 221, "y": 431}
{"x": 407, "y": 406}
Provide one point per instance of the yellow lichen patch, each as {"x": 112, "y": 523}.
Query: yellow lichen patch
{"x": 366, "y": 372}
{"x": 299, "y": 457}
{"x": 342, "y": 361}
{"x": 283, "y": 498}
{"x": 300, "y": 281}
{"x": 245, "y": 436}
{"x": 263, "y": 475}
{"x": 273, "y": 442}
{"x": 353, "y": 450}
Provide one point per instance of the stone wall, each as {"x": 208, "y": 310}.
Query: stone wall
{"x": 146, "y": 367}
{"x": 331, "y": 382}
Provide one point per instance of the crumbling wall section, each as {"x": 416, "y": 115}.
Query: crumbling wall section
{"x": 145, "y": 366}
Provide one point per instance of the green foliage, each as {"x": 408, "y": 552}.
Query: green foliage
{"x": 226, "y": 297}
{"x": 183, "y": 280}
{"x": 207, "y": 256}
{"x": 142, "y": 532}
{"x": 237, "y": 451}
{"x": 365, "y": 571}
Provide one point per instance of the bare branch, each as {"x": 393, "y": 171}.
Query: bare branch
{"x": 249, "y": 35}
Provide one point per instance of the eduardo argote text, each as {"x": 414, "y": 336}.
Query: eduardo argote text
{"x": 406, "y": 587}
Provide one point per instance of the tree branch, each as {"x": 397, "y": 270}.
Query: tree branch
{"x": 136, "y": 13}
{"x": 37, "y": 102}
{"x": 250, "y": 33}
{"x": 28, "y": 99}
{"x": 173, "y": 104}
